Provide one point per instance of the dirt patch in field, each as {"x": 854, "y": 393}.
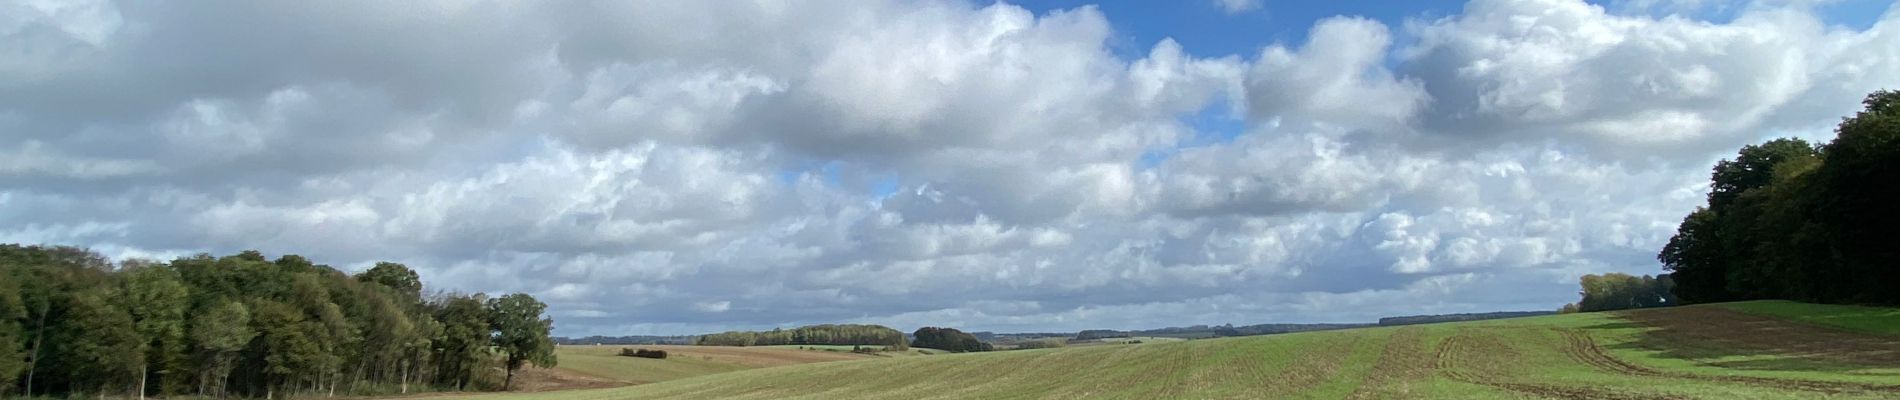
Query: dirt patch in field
{"x": 533, "y": 379}
{"x": 1719, "y": 329}
{"x": 1722, "y": 328}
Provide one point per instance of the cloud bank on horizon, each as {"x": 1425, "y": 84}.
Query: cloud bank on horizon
{"x": 683, "y": 167}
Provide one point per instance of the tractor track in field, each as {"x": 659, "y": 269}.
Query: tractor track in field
{"x": 1403, "y": 361}
{"x": 1451, "y": 361}
{"x": 1583, "y": 349}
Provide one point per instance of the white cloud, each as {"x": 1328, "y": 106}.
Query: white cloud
{"x": 1338, "y": 77}
{"x": 1634, "y": 85}
{"x": 686, "y": 167}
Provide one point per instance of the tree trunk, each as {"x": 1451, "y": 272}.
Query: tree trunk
{"x": 508, "y": 382}
{"x": 141, "y": 382}
{"x": 405, "y": 381}
{"x": 33, "y": 363}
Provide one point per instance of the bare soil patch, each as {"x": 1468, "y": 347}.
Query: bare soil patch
{"x": 1744, "y": 333}
{"x": 534, "y": 379}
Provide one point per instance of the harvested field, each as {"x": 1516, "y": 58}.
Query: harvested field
{"x": 1696, "y": 352}
{"x": 604, "y": 366}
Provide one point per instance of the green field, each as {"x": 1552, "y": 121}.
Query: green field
{"x": 1756, "y": 350}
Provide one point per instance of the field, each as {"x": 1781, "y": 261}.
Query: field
{"x": 1754, "y": 350}
{"x": 605, "y": 365}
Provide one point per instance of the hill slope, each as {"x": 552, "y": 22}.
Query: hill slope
{"x": 1738, "y": 350}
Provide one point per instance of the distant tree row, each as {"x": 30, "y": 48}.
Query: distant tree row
{"x": 813, "y": 335}
{"x": 74, "y": 323}
{"x": 1045, "y": 343}
{"x": 1789, "y": 220}
{"x": 947, "y": 339}
{"x": 1616, "y": 291}
{"x": 1437, "y": 318}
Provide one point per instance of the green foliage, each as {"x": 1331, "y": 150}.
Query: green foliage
{"x": 395, "y": 276}
{"x": 846, "y": 334}
{"x": 157, "y": 301}
{"x": 1614, "y": 291}
{"x": 12, "y": 335}
{"x": 461, "y": 347}
{"x": 521, "y": 334}
{"x": 219, "y": 333}
{"x": 290, "y": 351}
{"x": 240, "y": 325}
{"x": 101, "y": 349}
{"x": 947, "y": 339}
{"x": 1789, "y": 220}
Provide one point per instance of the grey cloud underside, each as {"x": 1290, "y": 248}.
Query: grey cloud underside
{"x": 677, "y": 167}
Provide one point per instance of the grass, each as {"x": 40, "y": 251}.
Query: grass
{"x": 1711, "y": 351}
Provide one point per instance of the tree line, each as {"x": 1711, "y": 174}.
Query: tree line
{"x": 1787, "y": 219}
{"x": 846, "y": 334}
{"x": 1618, "y": 291}
{"x": 948, "y": 339}
{"x": 73, "y": 323}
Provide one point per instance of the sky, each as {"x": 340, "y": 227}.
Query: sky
{"x": 688, "y": 167}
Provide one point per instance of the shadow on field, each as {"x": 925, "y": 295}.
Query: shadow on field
{"x": 1731, "y": 339}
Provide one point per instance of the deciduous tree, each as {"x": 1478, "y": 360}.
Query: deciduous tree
{"x": 521, "y": 333}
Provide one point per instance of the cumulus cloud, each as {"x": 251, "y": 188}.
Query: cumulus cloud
{"x": 1633, "y": 85}
{"x": 677, "y": 168}
{"x": 1338, "y": 77}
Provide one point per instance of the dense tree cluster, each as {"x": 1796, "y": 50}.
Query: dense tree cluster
{"x": 814, "y": 335}
{"x": 1788, "y": 220}
{"x": 947, "y": 339}
{"x": 1092, "y": 334}
{"x": 643, "y": 353}
{"x": 74, "y": 323}
{"x": 1616, "y": 291}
